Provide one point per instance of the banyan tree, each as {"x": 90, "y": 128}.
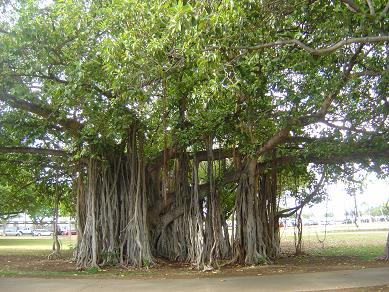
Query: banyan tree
{"x": 181, "y": 123}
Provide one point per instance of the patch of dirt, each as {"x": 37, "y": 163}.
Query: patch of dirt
{"x": 38, "y": 266}
{"x": 383, "y": 288}
{"x": 36, "y": 263}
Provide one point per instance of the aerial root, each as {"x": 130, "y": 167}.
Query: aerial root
{"x": 55, "y": 255}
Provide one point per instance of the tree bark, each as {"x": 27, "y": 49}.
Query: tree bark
{"x": 386, "y": 252}
{"x": 298, "y": 233}
{"x": 248, "y": 248}
{"x": 112, "y": 210}
{"x": 257, "y": 232}
{"x": 56, "y": 245}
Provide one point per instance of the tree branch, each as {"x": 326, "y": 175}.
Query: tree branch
{"x": 283, "y": 134}
{"x": 68, "y": 124}
{"x": 351, "y": 5}
{"x": 333, "y": 159}
{"x": 370, "y": 73}
{"x": 11, "y": 122}
{"x": 289, "y": 212}
{"x": 174, "y": 151}
{"x": 280, "y": 136}
{"x": 371, "y": 7}
{"x": 352, "y": 129}
{"x": 167, "y": 218}
{"x": 6, "y": 216}
{"x": 32, "y": 150}
{"x": 95, "y": 87}
{"x": 315, "y": 52}
{"x": 386, "y": 9}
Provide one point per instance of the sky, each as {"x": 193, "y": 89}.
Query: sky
{"x": 375, "y": 193}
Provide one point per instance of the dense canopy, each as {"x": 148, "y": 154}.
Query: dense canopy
{"x": 170, "y": 117}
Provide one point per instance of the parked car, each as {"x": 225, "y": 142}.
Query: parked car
{"x": 310, "y": 222}
{"x": 327, "y": 222}
{"x": 26, "y": 231}
{"x": 12, "y": 232}
{"x": 70, "y": 232}
{"x": 42, "y": 232}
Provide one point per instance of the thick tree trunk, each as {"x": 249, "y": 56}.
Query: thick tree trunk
{"x": 216, "y": 246}
{"x": 257, "y": 232}
{"x": 197, "y": 236}
{"x": 112, "y": 210}
{"x": 195, "y": 220}
{"x": 249, "y": 247}
{"x": 268, "y": 196}
{"x": 172, "y": 243}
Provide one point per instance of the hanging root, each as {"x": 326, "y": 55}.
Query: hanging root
{"x": 112, "y": 209}
{"x": 55, "y": 255}
{"x": 113, "y": 202}
{"x": 385, "y": 257}
{"x": 257, "y": 234}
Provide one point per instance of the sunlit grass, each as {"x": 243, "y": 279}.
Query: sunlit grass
{"x": 365, "y": 245}
{"x": 32, "y": 245}
{"x": 362, "y": 252}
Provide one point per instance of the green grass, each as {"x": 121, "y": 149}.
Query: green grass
{"x": 32, "y": 245}
{"x": 366, "y": 253}
{"x": 364, "y": 245}
{"x": 44, "y": 274}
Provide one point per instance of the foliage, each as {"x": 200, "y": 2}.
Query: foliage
{"x": 31, "y": 189}
{"x": 102, "y": 57}
{"x": 381, "y": 210}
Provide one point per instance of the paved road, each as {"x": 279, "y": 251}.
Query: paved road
{"x": 287, "y": 282}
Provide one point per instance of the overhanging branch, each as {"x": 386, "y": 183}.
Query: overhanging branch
{"x": 315, "y": 52}
{"x": 289, "y": 212}
{"x": 386, "y": 9}
{"x": 282, "y": 134}
{"x": 33, "y": 150}
{"x": 6, "y": 216}
{"x": 173, "y": 152}
{"x": 359, "y": 155}
{"x": 351, "y": 5}
{"x": 68, "y": 124}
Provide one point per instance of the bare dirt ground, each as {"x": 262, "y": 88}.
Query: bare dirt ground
{"x": 383, "y": 288}
{"x": 39, "y": 265}
{"x": 375, "y": 279}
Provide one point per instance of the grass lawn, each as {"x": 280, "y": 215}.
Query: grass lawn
{"x": 28, "y": 245}
{"x": 366, "y": 245}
